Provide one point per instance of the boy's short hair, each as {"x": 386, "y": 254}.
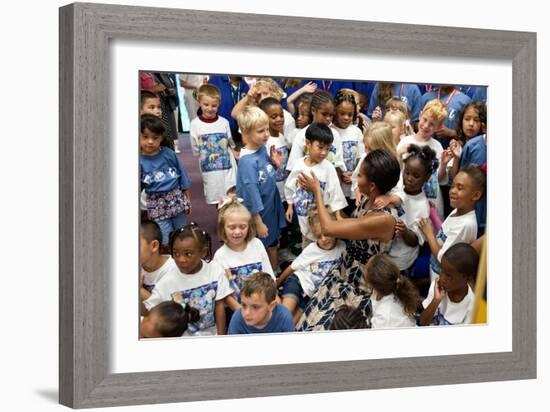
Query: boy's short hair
{"x": 209, "y": 90}
{"x": 153, "y": 123}
{"x": 260, "y": 282}
{"x": 146, "y": 94}
{"x": 436, "y": 110}
{"x": 463, "y": 258}
{"x": 313, "y": 215}
{"x": 319, "y": 132}
{"x": 250, "y": 117}
{"x": 478, "y": 176}
{"x": 150, "y": 231}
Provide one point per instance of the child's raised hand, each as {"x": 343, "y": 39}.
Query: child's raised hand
{"x": 276, "y": 156}
{"x": 455, "y": 148}
{"x": 309, "y": 87}
{"x": 439, "y": 292}
{"x": 377, "y": 114}
{"x": 446, "y": 156}
{"x": 425, "y": 226}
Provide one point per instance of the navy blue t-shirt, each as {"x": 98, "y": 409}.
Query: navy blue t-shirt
{"x": 281, "y": 321}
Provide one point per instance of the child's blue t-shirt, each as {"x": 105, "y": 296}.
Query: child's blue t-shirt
{"x": 162, "y": 172}
{"x": 229, "y": 97}
{"x": 332, "y": 86}
{"x": 408, "y": 93}
{"x": 281, "y": 321}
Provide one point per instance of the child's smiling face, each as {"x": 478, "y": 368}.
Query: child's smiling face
{"x": 276, "y": 119}
{"x": 427, "y": 125}
{"x": 209, "y": 106}
{"x": 463, "y": 194}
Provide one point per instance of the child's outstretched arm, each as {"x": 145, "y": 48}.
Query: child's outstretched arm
{"x": 309, "y": 87}
{"x": 281, "y": 279}
{"x": 249, "y": 98}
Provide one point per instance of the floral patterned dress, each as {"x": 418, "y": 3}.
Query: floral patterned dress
{"x": 345, "y": 285}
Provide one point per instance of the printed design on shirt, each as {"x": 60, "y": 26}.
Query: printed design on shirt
{"x": 451, "y": 114}
{"x": 349, "y": 148}
{"x": 159, "y": 175}
{"x": 441, "y": 238}
{"x": 281, "y": 174}
{"x": 240, "y": 273}
{"x": 302, "y": 200}
{"x": 439, "y": 319}
{"x": 148, "y": 288}
{"x": 213, "y": 152}
{"x": 431, "y": 187}
{"x": 404, "y": 99}
{"x": 320, "y": 269}
{"x": 202, "y": 298}
{"x": 265, "y": 173}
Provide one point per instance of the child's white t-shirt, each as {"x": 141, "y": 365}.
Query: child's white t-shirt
{"x": 150, "y": 279}
{"x": 352, "y": 150}
{"x": 335, "y": 155}
{"x": 200, "y": 290}
{"x": 290, "y": 123}
{"x": 431, "y": 188}
{"x": 282, "y": 173}
{"x": 243, "y": 264}
{"x": 455, "y": 229}
{"x": 388, "y": 312}
{"x": 303, "y": 200}
{"x": 448, "y": 312}
{"x": 211, "y": 143}
{"x": 415, "y": 207}
{"x": 314, "y": 263}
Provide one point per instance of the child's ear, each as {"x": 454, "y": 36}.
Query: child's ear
{"x": 155, "y": 246}
{"x": 272, "y": 305}
{"x": 204, "y": 252}
{"x": 477, "y": 195}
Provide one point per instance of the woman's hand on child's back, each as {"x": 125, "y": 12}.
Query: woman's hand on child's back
{"x": 309, "y": 183}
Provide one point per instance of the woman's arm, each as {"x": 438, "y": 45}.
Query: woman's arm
{"x": 378, "y": 225}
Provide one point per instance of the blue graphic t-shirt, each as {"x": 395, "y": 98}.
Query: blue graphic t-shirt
{"x": 202, "y": 298}
{"x": 303, "y": 200}
{"x": 349, "y": 148}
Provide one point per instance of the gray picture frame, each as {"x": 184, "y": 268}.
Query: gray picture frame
{"x": 85, "y": 33}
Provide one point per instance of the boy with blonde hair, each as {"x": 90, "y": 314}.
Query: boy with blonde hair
{"x": 211, "y": 141}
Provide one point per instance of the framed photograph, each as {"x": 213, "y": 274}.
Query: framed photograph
{"x": 102, "y": 50}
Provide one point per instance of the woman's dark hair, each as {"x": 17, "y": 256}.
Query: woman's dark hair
{"x": 348, "y": 317}
{"x": 478, "y": 176}
{"x": 319, "y": 132}
{"x": 481, "y": 109}
{"x": 381, "y": 168}
{"x": 266, "y": 103}
{"x": 342, "y": 97}
{"x": 318, "y": 99}
{"x": 384, "y": 276}
{"x": 173, "y": 318}
{"x": 426, "y": 156}
{"x": 194, "y": 231}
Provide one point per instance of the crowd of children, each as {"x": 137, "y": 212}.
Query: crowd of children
{"x": 253, "y": 165}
